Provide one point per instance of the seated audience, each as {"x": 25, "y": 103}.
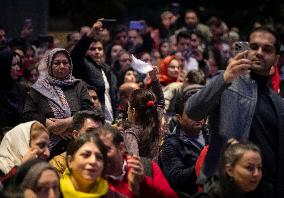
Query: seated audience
{"x": 182, "y": 147}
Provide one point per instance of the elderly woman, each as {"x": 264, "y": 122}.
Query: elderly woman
{"x": 86, "y": 159}
{"x": 24, "y": 142}
{"x": 54, "y": 99}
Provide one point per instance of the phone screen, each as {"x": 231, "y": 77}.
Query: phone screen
{"x": 136, "y": 25}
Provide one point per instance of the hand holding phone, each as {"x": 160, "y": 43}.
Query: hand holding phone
{"x": 108, "y": 23}
{"x": 240, "y": 46}
{"x": 28, "y": 24}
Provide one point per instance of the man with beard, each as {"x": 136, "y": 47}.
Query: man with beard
{"x": 240, "y": 105}
{"x": 192, "y": 24}
{"x": 182, "y": 147}
{"x": 129, "y": 174}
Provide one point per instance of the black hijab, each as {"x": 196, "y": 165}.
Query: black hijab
{"x": 6, "y": 58}
{"x": 12, "y": 95}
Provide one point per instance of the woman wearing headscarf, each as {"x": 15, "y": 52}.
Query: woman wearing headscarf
{"x": 12, "y": 95}
{"x": 54, "y": 99}
{"x": 24, "y": 142}
{"x": 36, "y": 178}
{"x": 169, "y": 70}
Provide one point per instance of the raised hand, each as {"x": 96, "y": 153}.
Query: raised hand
{"x": 237, "y": 66}
{"x": 31, "y": 154}
{"x": 95, "y": 30}
{"x": 135, "y": 174}
{"x": 153, "y": 74}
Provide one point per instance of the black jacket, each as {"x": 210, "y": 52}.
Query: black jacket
{"x": 227, "y": 188}
{"x": 12, "y": 94}
{"x": 37, "y": 106}
{"x": 89, "y": 71}
{"x": 177, "y": 160}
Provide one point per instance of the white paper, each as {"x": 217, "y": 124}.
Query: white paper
{"x": 140, "y": 66}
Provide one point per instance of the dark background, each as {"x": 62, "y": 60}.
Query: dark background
{"x": 234, "y": 12}
{"x": 66, "y": 15}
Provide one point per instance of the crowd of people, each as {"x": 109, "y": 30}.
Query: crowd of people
{"x": 193, "y": 119}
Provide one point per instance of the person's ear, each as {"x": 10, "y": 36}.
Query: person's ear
{"x": 229, "y": 170}
{"x": 75, "y": 134}
{"x": 69, "y": 160}
{"x": 122, "y": 148}
{"x": 276, "y": 59}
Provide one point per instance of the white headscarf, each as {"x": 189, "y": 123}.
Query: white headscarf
{"x": 14, "y": 146}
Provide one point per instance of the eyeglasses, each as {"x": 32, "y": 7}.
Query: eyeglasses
{"x": 57, "y": 63}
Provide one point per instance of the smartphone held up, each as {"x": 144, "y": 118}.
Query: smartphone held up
{"x": 240, "y": 46}
{"x": 108, "y": 23}
{"x": 136, "y": 25}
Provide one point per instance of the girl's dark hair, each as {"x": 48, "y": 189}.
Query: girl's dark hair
{"x": 147, "y": 117}
{"x": 77, "y": 143}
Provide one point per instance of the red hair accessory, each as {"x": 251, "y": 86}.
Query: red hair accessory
{"x": 150, "y": 103}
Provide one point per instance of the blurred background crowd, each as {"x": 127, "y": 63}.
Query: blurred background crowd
{"x": 71, "y": 72}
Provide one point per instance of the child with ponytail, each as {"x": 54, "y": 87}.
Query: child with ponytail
{"x": 145, "y": 112}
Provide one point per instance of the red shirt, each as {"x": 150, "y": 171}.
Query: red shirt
{"x": 157, "y": 186}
